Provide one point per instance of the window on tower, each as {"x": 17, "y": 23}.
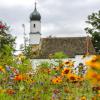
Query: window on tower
{"x": 34, "y": 25}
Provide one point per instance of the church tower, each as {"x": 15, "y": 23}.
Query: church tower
{"x": 35, "y": 27}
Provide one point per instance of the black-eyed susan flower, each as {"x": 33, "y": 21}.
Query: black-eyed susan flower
{"x": 65, "y": 71}
{"x": 72, "y": 77}
{"x": 69, "y": 63}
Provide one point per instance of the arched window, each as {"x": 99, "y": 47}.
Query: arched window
{"x": 34, "y": 25}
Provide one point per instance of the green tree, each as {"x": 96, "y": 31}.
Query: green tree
{"x": 59, "y": 55}
{"x": 28, "y": 51}
{"x": 7, "y": 42}
{"x": 94, "y": 29}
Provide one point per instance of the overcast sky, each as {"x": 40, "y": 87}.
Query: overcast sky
{"x": 59, "y": 17}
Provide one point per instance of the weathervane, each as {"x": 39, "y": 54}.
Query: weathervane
{"x": 35, "y": 4}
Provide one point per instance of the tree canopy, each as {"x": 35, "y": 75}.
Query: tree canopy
{"x": 7, "y": 42}
{"x": 94, "y": 29}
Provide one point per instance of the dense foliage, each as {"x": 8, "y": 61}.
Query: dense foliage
{"x": 6, "y": 44}
{"x": 94, "y": 29}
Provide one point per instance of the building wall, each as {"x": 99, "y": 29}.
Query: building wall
{"x": 34, "y": 39}
{"x": 78, "y": 59}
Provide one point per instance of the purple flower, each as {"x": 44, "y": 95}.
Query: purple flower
{"x": 7, "y": 68}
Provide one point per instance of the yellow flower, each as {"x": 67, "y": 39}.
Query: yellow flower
{"x": 2, "y": 91}
{"x": 94, "y": 65}
{"x": 94, "y": 62}
{"x": 83, "y": 98}
{"x": 2, "y": 69}
{"x": 93, "y": 73}
{"x": 93, "y": 76}
{"x": 65, "y": 71}
{"x": 21, "y": 57}
{"x": 72, "y": 77}
{"x": 69, "y": 63}
{"x": 57, "y": 80}
{"x": 29, "y": 80}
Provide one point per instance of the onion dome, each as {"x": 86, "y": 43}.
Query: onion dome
{"x": 35, "y": 15}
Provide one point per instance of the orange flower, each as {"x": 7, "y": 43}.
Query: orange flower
{"x": 94, "y": 65}
{"x": 65, "y": 71}
{"x": 93, "y": 76}
{"x": 2, "y": 69}
{"x": 94, "y": 62}
{"x": 72, "y": 77}
{"x": 19, "y": 77}
{"x": 93, "y": 73}
{"x": 57, "y": 80}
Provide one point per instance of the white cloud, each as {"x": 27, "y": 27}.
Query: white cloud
{"x": 12, "y": 3}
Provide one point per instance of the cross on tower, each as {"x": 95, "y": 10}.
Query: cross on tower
{"x": 35, "y": 4}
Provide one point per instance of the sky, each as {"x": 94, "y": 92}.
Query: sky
{"x": 60, "y": 18}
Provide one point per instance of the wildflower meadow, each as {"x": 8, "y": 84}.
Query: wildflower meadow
{"x": 48, "y": 81}
{"x": 19, "y": 80}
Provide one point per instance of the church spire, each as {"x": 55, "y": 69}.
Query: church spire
{"x": 35, "y": 15}
{"x": 35, "y": 4}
